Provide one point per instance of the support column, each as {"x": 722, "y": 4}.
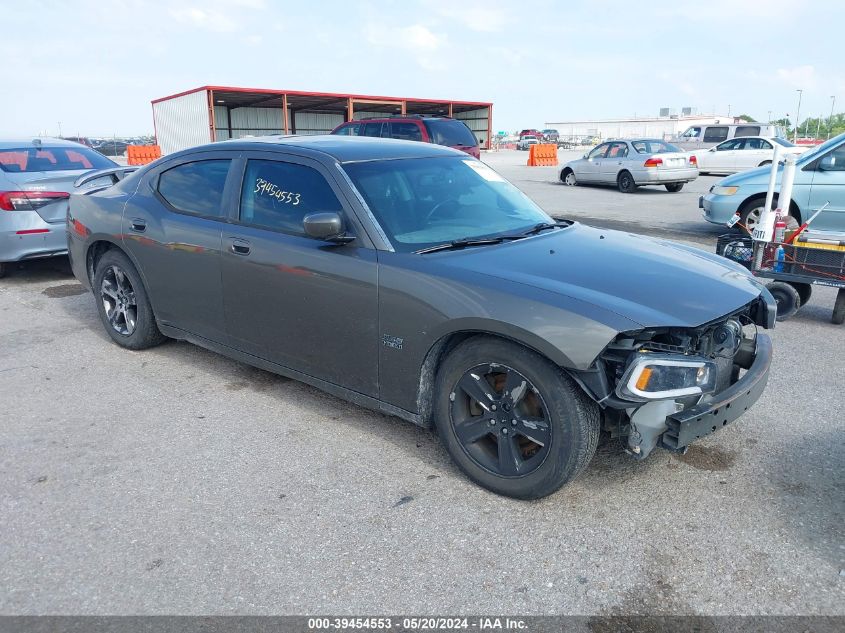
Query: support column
{"x": 449, "y": 112}
{"x": 349, "y": 110}
{"x": 489, "y": 125}
{"x": 212, "y": 130}
{"x": 286, "y": 123}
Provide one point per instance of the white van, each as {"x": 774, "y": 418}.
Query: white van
{"x": 710, "y": 135}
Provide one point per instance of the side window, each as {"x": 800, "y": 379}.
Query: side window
{"x": 715, "y": 133}
{"x": 747, "y": 130}
{"x": 763, "y": 144}
{"x": 195, "y": 188}
{"x": 371, "y": 129}
{"x": 729, "y": 145}
{"x": 598, "y": 152}
{"x": 405, "y": 131}
{"x": 618, "y": 150}
{"x": 352, "y": 129}
{"x": 278, "y": 195}
{"x": 691, "y": 133}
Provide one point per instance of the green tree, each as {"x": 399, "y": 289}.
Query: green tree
{"x": 747, "y": 118}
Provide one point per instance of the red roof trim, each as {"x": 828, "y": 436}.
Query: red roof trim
{"x": 335, "y": 95}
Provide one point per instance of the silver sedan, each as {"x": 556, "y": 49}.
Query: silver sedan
{"x": 36, "y": 179}
{"x": 632, "y": 163}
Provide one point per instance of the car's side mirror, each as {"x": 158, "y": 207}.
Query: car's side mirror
{"x": 712, "y": 149}
{"x": 326, "y": 226}
{"x": 828, "y": 163}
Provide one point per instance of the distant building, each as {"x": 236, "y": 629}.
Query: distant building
{"x": 664, "y": 127}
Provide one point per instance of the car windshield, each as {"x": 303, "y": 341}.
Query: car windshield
{"x": 654, "y": 147}
{"x": 30, "y": 159}
{"x": 425, "y": 202}
{"x": 782, "y": 141}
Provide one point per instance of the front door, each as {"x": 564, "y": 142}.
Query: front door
{"x": 611, "y": 164}
{"x": 307, "y": 304}
{"x": 828, "y": 185}
{"x": 588, "y": 169}
{"x": 175, "y": 237}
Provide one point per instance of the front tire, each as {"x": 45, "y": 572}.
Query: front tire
{"x": 787, "y": 298}
{"x": 568, "y": 178}
{"x": 674, "y": 187}
{"x": 511, "y": 420}
{"x": 123, "y": 304}
{"x": 625, "y": 182}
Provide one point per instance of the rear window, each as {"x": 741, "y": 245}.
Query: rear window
{"x": 405, "y": 130}
{"x": 195, "y": 188}
{"x": 451, "y": 133}
{"x": 654, "y": 147}
{"x": 747, "y": 130}
{"x": 29, "y": 159}
{"x": 353, "y": 129}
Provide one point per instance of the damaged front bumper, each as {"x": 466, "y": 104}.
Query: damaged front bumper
{"x": 686, "y": 426}
{"x": 667, "y": 423}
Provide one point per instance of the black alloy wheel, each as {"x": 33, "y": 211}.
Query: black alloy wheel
{"x": 500, "y": 420}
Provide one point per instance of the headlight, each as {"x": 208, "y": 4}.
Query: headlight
{"x": 664, "y": 376}
{"x": 724, "y": 191}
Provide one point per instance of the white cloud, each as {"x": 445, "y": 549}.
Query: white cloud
{"x": 416, "y": 40}
{"x": 476, "y": 16}
{"x": 803, "y": 77}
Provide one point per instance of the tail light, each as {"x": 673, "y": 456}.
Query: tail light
{"x": 29, "y": 200}
{"x": 693, "y": 161}
{"x": 653, "y": 162}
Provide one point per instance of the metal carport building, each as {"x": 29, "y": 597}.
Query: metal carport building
{"x": 217, "y": 113}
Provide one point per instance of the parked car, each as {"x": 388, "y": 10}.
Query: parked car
{"x": 629, "y": 164}
{"x": 742, "y": 153}
{"x": 415, "y": 280}
{"x": 112, "y": 148}
{"x": 819, "y": 179}
{"x": 428, "y": 129}
{"x": 532, "y": 132}
{"x": 525, "y": 142}
{"x": 36, "y": 178}
{"x": 551, "y": 136}
{"x": 82, "y": 140}
{"x": 698, "y": 137}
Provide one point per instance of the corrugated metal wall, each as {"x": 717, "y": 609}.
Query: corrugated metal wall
{"x": 317, "y": 122}
{"x": 182, "y": 122}
{"x": 248, "y": 122}
{"x": 476, "y": 120}
{"x": 357, "y": 116}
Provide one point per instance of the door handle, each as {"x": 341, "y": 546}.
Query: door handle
{"x": 139, "y": 225}
{"x": 240, "y": 247}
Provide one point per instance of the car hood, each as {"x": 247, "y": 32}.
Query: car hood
{"x": 655, "y": 283}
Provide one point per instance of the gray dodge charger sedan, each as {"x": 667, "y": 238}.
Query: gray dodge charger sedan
{"x": 413, "y": 279}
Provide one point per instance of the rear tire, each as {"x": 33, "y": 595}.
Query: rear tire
{"x": 805, "y": 291}
{"x": 764, "y": 163}
{"x": 123, "y": 304}
{"x": 838, "y": 317}
{"x": 625, "y": 182}
{"x": 674, "y": 187}
{"x": 787, "y": 298}
{"x": 511, "y": 420}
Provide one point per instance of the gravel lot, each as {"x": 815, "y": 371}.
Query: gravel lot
{"x": 177, "y": 481}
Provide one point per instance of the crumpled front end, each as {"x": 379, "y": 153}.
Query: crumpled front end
{"x": 668, "y": 387}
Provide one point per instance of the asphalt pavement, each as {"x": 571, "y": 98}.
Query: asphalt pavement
{"x": 177, "y": 481}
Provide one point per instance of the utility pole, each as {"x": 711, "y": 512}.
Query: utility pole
{"x": 60, "y": 129}
{"x": 819, "y": 126}
{"x": 830, "y": 120}
{"x": 770, "y": 116}
{"x": 729, "y": 109}
{"x": 798, "y": 114}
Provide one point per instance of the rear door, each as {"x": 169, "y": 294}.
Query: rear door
{"x": 306, "y": 304}
{"x": 405, "y": 130}
{"x": 172, "y": 228}
{"x": 753, "y": 152}
{"x": 372, "y": 128}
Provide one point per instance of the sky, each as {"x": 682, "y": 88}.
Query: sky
{"x": 95, "y": 65}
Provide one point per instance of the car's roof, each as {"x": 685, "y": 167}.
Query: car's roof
{"x": 344, "y": 149}
{"x": 34, "y": 141}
